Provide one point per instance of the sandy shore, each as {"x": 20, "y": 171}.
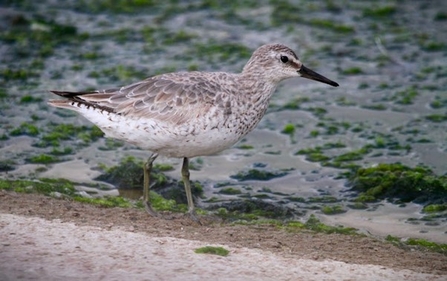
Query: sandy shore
{"x": 43, "y": 238}
{"x": 38, "y": 249}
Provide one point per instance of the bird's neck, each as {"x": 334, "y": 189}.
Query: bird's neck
{"x": 258, "y": 89}
{"x": 257, "y": 83}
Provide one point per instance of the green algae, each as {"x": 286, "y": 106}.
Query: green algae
{"x": 129, "y": 174}
{"x": 392, "y": 181}
{"x": 16, "y": 74}
{"x": 322, "y": 199}
{"x": 62, "y": 132}
{"x": 251, "y": 209}
{"x": 44, "y": 186}
{"x": 436, "y": 118}
{"x": 333, "y": 145}
{"x": 380, "y": 12}
{"x": 438, "y": 103}
{"x": 435, "y": 208}
{"x": 30, "y": 99}
{"x": 289, "y": 129}
{"x": 287, "y": 12}
{"x": 405, "y": 97}
{"x": 163, "y": 167}
{"x": 7, "y": 165}
{"x": 65, "y": 151}
{"x": 255, "y": 174}
{"x": 37, "y": 37}
{"x": 418, "y": 242}
{"x": 380, "y": 107}
{"x": 343, "y": 101}
{"x": 313, "y": 154}
{"x": 245, "y": 146}
{"x": 214, "y": 52}
{"x": 333, "y": 210}
{"x": 117, "y": 7}
{"x": 121, "y": 74}
{"x": 295, "y": 103}
{"x": 314, "y": 133}
{"x": 352, "y": 155}
{"x": 352, "y": 71}
{"x": 219, "y": 251}
{"x": 316, "y": 225}
{"x": 440, "y": 16}
{"x": 331, "y": 25}
{"x": 43, "y": 159}
{"x": 107, "y": 201}
{"x": 111, "y": 144}
{"x": 25, "y": 129}
{"x": 230, "y": 191}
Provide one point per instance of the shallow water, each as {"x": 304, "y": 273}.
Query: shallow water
{"x": 379, "y": 53}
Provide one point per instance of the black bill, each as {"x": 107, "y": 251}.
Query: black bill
{"x": 310, "y": 74}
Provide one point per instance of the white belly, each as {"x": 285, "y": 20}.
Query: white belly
{"x": 200, "y": 137}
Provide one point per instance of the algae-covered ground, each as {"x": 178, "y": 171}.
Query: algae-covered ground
{"x": 370, "y": 154}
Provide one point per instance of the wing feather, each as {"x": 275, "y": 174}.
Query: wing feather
{"x": 173, "y": 97}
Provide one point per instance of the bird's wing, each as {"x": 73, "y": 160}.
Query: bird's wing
{"x": 170, "y": 97}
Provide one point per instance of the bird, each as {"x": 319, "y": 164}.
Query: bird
{"x": 189, "y": 114}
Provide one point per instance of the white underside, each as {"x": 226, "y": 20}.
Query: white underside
{"x": 191, "y": 139}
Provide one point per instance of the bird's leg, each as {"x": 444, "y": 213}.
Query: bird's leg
{"x": 147, "y": 167}
{"x": 187, "y": 183}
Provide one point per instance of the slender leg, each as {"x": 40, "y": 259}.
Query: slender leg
{"x": 147, "y": 167}
{"x": 186, "y": 182}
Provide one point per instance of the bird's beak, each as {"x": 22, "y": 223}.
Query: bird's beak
{"x": 310, "y": 74}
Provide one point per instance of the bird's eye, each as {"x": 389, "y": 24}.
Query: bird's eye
{"x": 284, "y": 59}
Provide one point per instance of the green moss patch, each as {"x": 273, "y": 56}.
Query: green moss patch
{"x": 316, "y": 225}
{"x": 435, "y": 208}
{"x": 230, "y": 191}
{"x": 30, "y": 99}
{"x": 214, "y": 52}
{"x": 43, "y": 159}
{"x": 352, "y": 71}
{"x": 295, "y": 103}
{"x": 43, "y": 186}
{"x": 107, "y": 202}
{"x": 380, "y": 12}
{"x": 405, "y": 97}
{"x": 331, "y": 25}
{"x": 252, "y": 209}
{"x": 255, "y": 174}
{"x": 37, "y": 37}
{"x": 289, "y": 129}
{"x": 7, "y": 165}
{"x": 418, "y": 242}
{"x": 436, "y": 118}
{"x": 212, "y": 250}
{"x": 396, "y": 181}
{"x": 333, "y": 210}
{"x": 245, "y": 146}
{"x": 61, "y": 132}
{"x": 25, "y": 129}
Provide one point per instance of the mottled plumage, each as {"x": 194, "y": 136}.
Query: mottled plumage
{"x": 188, "y": 114}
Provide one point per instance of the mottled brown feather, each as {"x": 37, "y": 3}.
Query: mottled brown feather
{"x": 159, "y": 96}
